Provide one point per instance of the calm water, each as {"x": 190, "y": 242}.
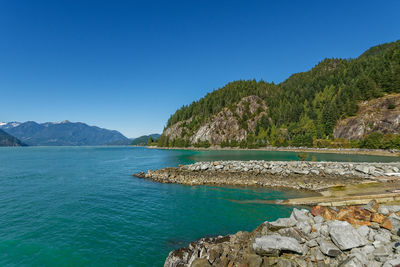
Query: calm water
{"x": 80, "y": 206}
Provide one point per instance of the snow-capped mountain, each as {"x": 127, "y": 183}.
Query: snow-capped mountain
{"x": 6, "y": 125}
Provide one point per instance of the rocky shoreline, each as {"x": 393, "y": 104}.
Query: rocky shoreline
{"x": 361, "y": 151}
{"x": 313, "y": 176}
{"x": 351, "y": 236}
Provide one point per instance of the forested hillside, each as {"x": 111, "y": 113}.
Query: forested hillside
{"x": 145, "y": 140}
{"x": 8, "y": 140}
{"x": 301, "y": 111}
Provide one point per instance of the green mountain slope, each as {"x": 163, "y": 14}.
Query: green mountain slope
{"x": 142, "y": 140}
{"x": 8, "y": 140}
{"x": 299, "y": 111}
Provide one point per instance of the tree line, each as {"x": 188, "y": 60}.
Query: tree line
{"x": 304, "y": 109}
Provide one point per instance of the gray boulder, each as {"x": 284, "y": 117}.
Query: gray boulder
{"x": 319, "y": 219}
{"x": 273, "y": 244}
{"x": 362, "y": 169}
{"x": 395, "y": 220}
{"x": 304, "y": 227}
{"x": 283, "y": 223}
{"x": 368, "y": 249}
{"x": 392, "y": 262}
{"x": 363, "y": 231}
{"x": 382, "y": 253}
{"x": 316, "y": 254}
{"x": 301, "y": 215}
{"x": 292, "y": 232}
{"x": 328, "y": 248}
{"x": 393, "y": 208}
{"x": 312, "y": 243}
{"x": 383, "y": 209}
{"x": 353, "y": 261}
{"x": 383, "y": 237}
{"x": 345, "y": 236}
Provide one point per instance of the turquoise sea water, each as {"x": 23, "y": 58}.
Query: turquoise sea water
{"x": 80, "y": 206}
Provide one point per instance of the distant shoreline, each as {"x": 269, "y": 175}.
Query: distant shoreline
{"x": 358, "y": 151}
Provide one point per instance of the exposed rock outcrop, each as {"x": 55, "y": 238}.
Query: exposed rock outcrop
{"x": 381, "y": 114}
{"x": 229, "y": 124}
{"x": 321, "y": 237}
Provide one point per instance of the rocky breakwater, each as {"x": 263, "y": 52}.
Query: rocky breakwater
{"x": 291, "y": 174}
{"x": 351, "y": 236}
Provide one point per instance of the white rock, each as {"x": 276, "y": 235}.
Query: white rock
{"x": 218, "y": 167}
{"x": 312, "y": 243}
{"x": 316, "y": 172}
{"x": 362, "y": 168}
{"x": 393, "y": 208}
{"x": 270, "y": 243}
{"x": 283, "y": 222}
{"x": 392, "y": 262}
{"x": 382, "y": 237}
{"x": 363, "y": 231}
{"x": 319, "y": 219}
{"x": 345, "y": 236}
{"x": 324, "y": 230}
{"x": 304, "y": 227}
{"x": 381, "y": 253}
{"x": 301, "y": 215}
{"x": 382, "y": 209}
{"x": 368, "y": 249}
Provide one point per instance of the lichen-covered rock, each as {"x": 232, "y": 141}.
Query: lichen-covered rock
{"x": 200, "y": 263}
{"x": 253, "y": 260}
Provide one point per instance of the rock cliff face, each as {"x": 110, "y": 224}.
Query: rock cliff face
{"x": 350, "y": 236}
{"x": 381, "y": 114}
{"x": 229, "y": 124}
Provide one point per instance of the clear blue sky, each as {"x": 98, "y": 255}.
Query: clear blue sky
{"x": 128, "y": 65}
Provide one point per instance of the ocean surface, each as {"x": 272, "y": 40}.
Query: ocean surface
{"x": 80, "y": 206}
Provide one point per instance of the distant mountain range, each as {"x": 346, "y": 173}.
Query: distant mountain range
{"x": 9, "y": 140}
{"x": 64, "y": 133}
{"x": 142, "y": 140}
